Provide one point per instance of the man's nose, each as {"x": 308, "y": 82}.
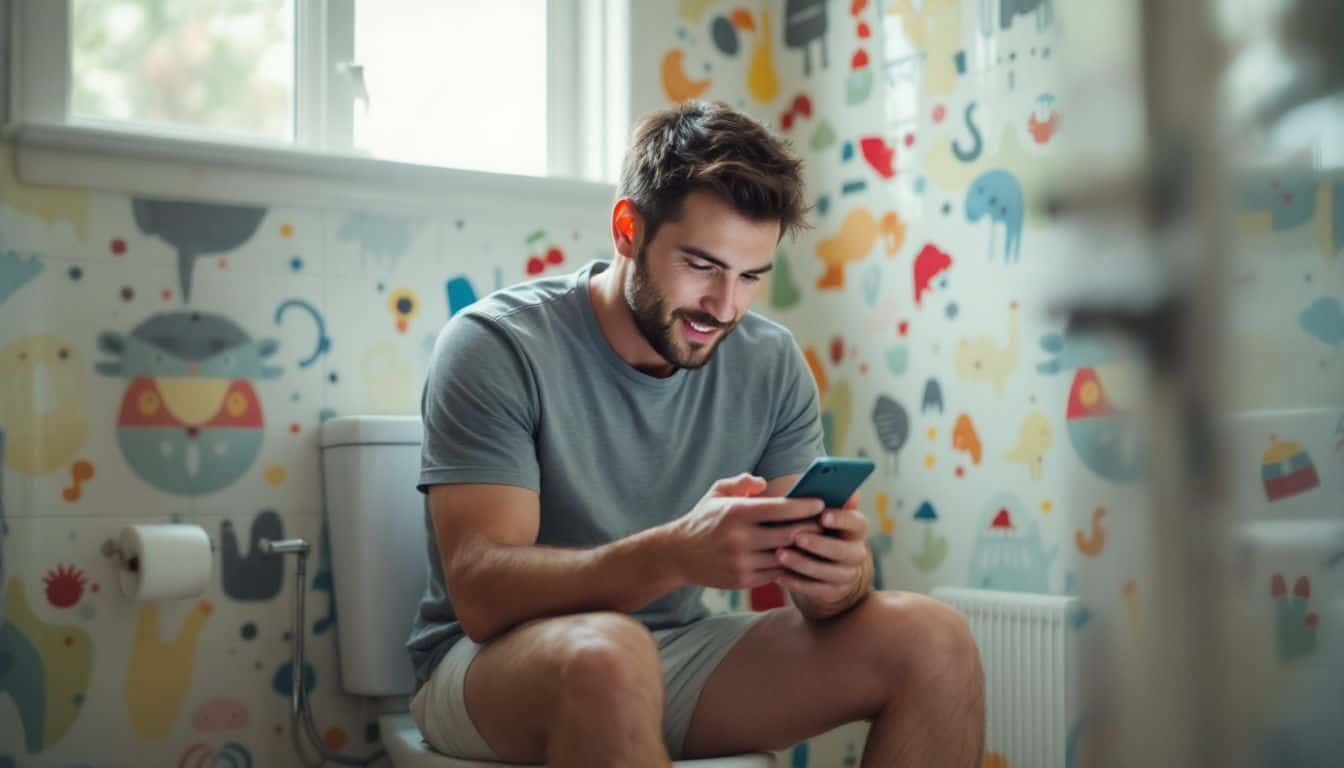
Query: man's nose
{"x": 719, "y": 301}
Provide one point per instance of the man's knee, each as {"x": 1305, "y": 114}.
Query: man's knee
{"x": 610, "y": 661}
{"x": 924, "y": 641}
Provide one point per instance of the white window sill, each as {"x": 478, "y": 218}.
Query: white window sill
{"x": 187, "y": 169}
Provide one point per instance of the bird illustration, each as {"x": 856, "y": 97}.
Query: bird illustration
{"x": 852, "y": 243}
{"x": 1033, "y": 440}
{"x": 190, "y": 420}
{"x": 1091, "y": 545}
{"x": 1100, "y": 414}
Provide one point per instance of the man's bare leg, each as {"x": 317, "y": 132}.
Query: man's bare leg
{"x": 583, "y": 690}
{"x": 906, "y": 662}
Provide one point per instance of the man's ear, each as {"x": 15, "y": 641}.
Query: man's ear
{"x": 625, "y": 225}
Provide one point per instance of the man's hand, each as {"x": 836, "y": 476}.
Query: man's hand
{"x": 829, "y": 572}
{"x": 725, "y": 542}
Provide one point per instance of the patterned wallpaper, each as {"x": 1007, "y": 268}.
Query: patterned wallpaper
{"x": 164, "y": 360}
{"x": 1012, "y": 453}
{"x": 167, "y": 361}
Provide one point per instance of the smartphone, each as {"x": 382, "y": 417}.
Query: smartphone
{"x": 831, "y": 479}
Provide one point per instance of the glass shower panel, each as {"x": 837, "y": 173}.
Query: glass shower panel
{"x": 1282, "y": 367}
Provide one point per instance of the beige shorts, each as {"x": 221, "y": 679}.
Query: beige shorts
{"x": 688, "y": 654}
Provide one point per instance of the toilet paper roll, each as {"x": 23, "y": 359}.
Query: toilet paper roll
{"x": 161, "y": 562}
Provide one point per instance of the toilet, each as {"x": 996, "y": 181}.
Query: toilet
{"x": 375, "y": 518}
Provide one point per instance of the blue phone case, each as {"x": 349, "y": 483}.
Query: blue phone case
{"x": 831, "y": 479}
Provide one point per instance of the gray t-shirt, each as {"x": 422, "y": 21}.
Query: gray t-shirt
{"x": 523, "y": 389}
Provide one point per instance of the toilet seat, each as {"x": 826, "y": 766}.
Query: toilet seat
{"x": 408, "y": 749}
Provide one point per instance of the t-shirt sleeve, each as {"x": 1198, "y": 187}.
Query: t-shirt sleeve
{"x": 478, "y": 408}
{"x": 796, "y": 437}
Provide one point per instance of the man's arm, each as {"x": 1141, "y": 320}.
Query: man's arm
{"x": 497, "y": 577}
{"x": 810, "y": 608}
{"x": 479, "y": 468}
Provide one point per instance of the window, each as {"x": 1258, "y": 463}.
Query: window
{"x": 220, "y": 67}
{"x": 527, "y": 87}
{"x": 481, "y": 70}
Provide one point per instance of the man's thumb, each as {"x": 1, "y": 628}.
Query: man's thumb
{"x": 744, "y": 484}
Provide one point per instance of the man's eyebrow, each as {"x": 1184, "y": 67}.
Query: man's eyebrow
{"x": 699, "y": 254}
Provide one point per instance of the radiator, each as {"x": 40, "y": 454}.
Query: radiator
{"x": 1029, "y": 652}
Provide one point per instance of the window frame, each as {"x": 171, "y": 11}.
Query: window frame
{"x": 588, "y": 56}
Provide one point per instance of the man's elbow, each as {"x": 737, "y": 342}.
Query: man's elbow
{"x": 478, "y": 630}
{"x": 479, "y": 623}
{"x": 471, "y": 601}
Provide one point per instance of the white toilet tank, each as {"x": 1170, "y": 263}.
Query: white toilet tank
{"x": 376, "y": 522}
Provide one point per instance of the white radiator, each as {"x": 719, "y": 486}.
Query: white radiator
{"x": 1029, "y": 653}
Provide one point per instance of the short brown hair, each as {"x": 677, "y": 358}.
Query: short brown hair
{"x": 709, "y": 146}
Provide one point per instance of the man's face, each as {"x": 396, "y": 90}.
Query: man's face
{"x": 694, "y": 281}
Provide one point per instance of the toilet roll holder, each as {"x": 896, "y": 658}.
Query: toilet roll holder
{"x": 112, "y": 549}
{"x": 298, "y": 700}
{"x": 298, "y": 695}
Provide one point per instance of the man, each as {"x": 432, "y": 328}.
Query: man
{"x": 572, "y": 427}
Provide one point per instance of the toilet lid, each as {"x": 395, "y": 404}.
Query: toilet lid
{"x": 407, "y": 749}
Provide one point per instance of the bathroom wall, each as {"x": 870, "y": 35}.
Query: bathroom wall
{"x": 1010, "y": 454}
{"x": 111, "y": 351}
{"x": 896, "y": 295}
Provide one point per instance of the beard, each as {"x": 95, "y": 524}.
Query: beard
{"x": 648, "y": 308}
